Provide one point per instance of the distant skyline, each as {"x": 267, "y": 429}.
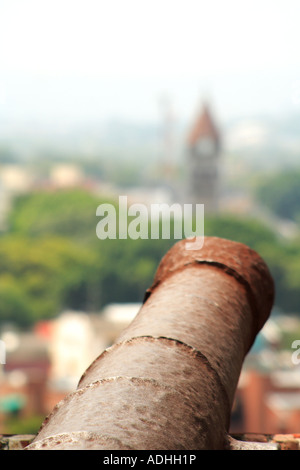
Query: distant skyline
{"x": 79, "y": 61}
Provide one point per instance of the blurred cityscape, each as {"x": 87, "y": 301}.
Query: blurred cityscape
{"x": 83, "y": 120}
{"x": 52, "y": 333}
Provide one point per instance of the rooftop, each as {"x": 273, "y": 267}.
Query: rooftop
{"x": 204, "y": 126}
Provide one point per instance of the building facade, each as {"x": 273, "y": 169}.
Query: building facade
{"x": 203, "y": 156}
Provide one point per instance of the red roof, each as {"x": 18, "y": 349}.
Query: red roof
{"x": 44, "y": 328}
{"x": 203, "y": 127}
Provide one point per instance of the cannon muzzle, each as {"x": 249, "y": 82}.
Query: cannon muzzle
{"x": 169, "y": 381}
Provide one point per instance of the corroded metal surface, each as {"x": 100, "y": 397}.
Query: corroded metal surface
{"x": 234, "y": 444}
{"x": 83, "y": 440}
{"x": 169, "y": 381}
{"x": 235, "y": 259}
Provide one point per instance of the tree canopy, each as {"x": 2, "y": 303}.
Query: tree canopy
{"x": 51, "y": 258}
{"x": 280, "y": 193}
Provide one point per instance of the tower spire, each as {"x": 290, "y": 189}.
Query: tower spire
{"x": 204, "y": 126}
{"x": 203, "y": 142}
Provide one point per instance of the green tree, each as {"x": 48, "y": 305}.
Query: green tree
{"x": 51, "y": 258}
{"x": 247, "y": 230}
{"x": 14, "y": 302}
{"x": 280, "y": 193}
{"x": 68, "y": 213}
{"x": 39, "y": 276}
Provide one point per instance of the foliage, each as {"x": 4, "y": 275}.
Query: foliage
{"x": 241, "y": 229}
{"x": 51, "y": 258}
{"x": 280, "y": 193}
{"x": 38, "y": 276}
{"x": 63, "y": 213}
{"x": 26, "y": 425}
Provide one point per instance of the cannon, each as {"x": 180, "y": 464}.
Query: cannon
{"x": 169, "y": 380}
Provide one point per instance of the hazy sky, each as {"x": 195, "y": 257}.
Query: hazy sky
{"x": 80, "y": 60}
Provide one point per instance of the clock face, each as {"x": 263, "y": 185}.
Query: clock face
{"x": 205, "y": 146}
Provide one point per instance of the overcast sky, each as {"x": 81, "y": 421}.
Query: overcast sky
{"x": 83, "y": 60}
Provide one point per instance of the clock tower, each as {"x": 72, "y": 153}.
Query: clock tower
{"x": 203, "y": 162}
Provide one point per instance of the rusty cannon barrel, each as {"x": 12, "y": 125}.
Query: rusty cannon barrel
{"x": 168, "y": 382}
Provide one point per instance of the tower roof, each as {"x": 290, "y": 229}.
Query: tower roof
{"x": 204, "y": 126}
